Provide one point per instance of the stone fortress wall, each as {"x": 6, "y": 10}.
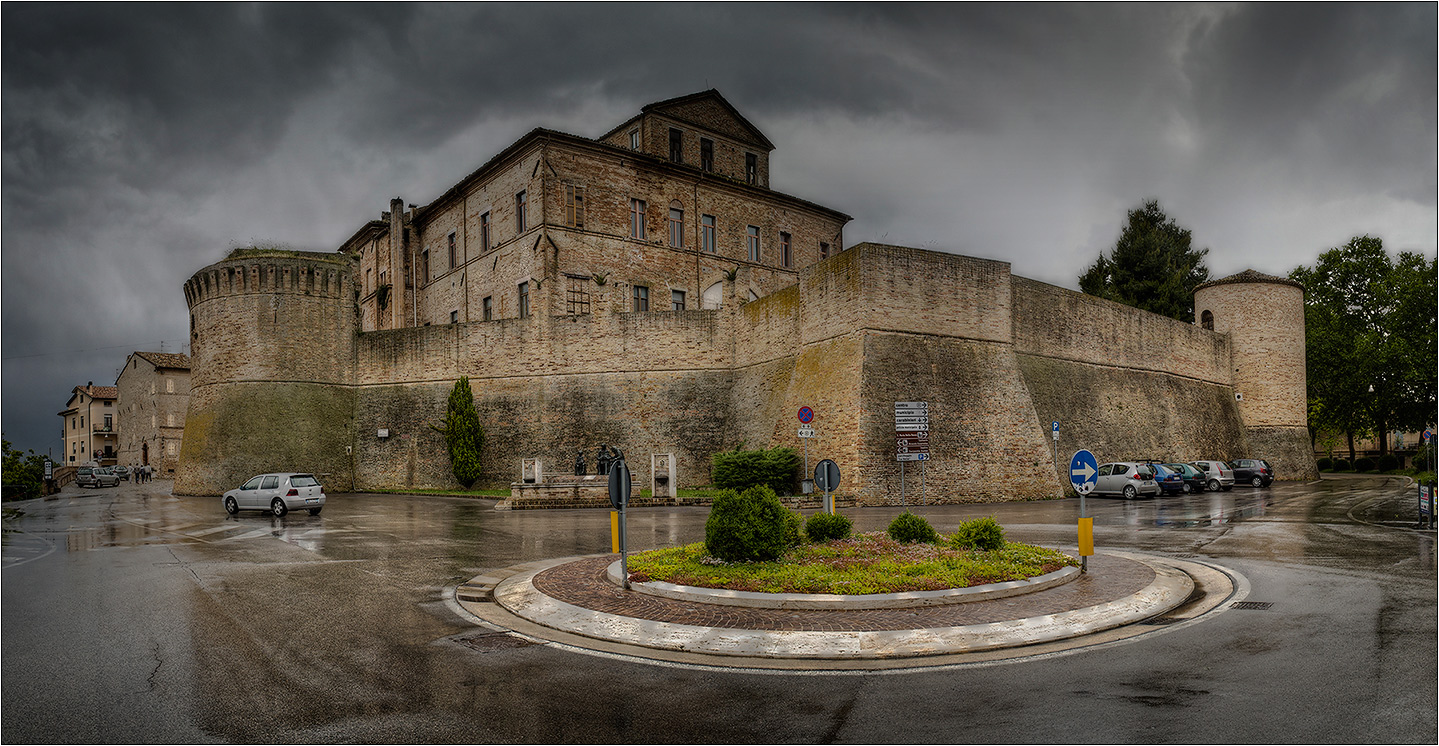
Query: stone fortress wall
{"x": 285, "y": 380}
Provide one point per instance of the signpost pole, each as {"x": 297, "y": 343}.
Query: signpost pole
{"x": 901, "y": 484}
{"x": 921, "y": 482}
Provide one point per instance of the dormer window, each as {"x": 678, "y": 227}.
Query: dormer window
{"x": 676, "y": 146}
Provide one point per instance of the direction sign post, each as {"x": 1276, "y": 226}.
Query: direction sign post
{"x": 805, "y": 433}
{"x": 1083, "y": 475}
{"x": 826, "y": 475}
{"x": 911, "y": 433}
{"x": 619, "y": 489}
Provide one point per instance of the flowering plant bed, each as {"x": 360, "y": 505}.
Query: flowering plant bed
{"x": 862, "y": 564}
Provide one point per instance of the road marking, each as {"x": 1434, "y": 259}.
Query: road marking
{"x": 251, "y": 535}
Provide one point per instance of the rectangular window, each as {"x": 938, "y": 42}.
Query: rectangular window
{"x": 108, "y": 422}
{"x": 677, "y": 228}
{"x": 577, "y": 296}
{"x": 823, "y": 250}
{"x": 574, "y": 206}
{"x": 634, "y": 139}
{"x": 424, "y": 266}
{"x": 784, "y": 258}
{"x": 455, "y": 316}
{"x": 707, "y": 154}
{"x": 642, "y": 298}
{"x": 520, "y": 213}
{"x": 485, "y": 232}
{"x": 524, "y": 300}
{"x": 676, "y": 146}
{"x": 454, "y": 250}
{"x": 751, "y": 168}
{"x": 637, "y": 218}
{"x": 752, "y": 236}
{"x": 169, "y": 419}
{"x": 677, "y": 300}
{"x": 707, "y": 233}
{"x": 169, "y": 388}
{"x": 487, "y": 308}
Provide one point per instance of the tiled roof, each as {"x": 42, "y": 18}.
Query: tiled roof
{"x": 1250, "y": 275}
{"x": 173, "y": 360}
{"x": 100, "y": 392}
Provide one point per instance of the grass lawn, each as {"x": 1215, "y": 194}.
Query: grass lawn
{"x": 863, "y": 563}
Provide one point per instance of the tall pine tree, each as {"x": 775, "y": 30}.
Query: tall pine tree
{"x": 464, "y": 437}
{"x": 1152, "y": 266}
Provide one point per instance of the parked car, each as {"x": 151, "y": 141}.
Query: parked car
{"x": 1217, "y": 475}
{"x": 1257, "y": 472}
{"x": 276, "y": 493}
{"x": 1170, "y": 481}
{"x": 96, "y": 476}
{"x": 1193, "y": 478}
{"x": 121, "y": 471}
{"x": 1127, "y": 478}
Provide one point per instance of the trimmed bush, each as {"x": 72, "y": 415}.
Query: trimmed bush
{"x": 1388, "y": 462}
{"x": 983, "y": 534}
{"x": 793, "y": 529}
{"x": 908, "y": 528}
{"x": 1341, "y": 465}
{"x": 823, "y": 527}
{"x": 1325, "y": 464}
{"x": 741, "y": 470}
{"x": 746, "y": 526}
{"x": 1364, "y": 464}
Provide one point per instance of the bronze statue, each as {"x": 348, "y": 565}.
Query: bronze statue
{"x": 580, "y": 463}
{"x": 602, "y": 460}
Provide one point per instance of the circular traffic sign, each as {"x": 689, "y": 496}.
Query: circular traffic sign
{"x": 1427, "y": 435}
{"x": 806, "y": 414}
{"x": 826, "y": 475}
{"x": 1083, "y": 471}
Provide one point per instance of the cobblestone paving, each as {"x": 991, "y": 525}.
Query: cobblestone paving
{"x": 583, "y": 583}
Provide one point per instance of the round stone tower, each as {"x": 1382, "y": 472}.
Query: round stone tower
{"x": 272, "y": 356}
{"x": 1263, "y": 316}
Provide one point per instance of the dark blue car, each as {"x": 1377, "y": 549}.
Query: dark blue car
{"x": 1170, "y": 481}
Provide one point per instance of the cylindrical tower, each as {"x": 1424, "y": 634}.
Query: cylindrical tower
{"x": 1264, "y": 318}
{"x": 272, "y": 356}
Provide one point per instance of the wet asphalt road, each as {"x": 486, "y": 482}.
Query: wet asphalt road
{"x": 131, "y": 615}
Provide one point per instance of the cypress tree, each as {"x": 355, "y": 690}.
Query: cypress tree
{"x": 463, "y": 435}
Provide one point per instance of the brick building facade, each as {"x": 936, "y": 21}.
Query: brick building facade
{"x": 154, "y": 396}
{"x": 647, "y": 290}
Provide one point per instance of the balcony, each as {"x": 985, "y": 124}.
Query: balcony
{"x": 103, "y": 429}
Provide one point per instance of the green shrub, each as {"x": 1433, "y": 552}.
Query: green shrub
{"x": 740, "y": 470}
{"x": 464, "y": 438}
{"x": 1421, "y": 463}
{"x": 983, "y": 534}
{"x": 1363, "y": 464}
{"x": 823, "y": 527}
{"x": 1341, "y": 465}
{"x": 793, "y": 529}
{"x": 1388, "y": 462}
{"x": 908, "y": 528}
{"x": 1325, "y": 464}
{"x": 746, "y": 526}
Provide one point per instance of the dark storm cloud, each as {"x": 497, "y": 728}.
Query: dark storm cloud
{"x": 142, "y": 141}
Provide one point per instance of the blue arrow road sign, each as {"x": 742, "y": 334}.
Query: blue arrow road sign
{"x": 1083, "y": 471}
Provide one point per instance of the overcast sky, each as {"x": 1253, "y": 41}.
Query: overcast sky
{"x": 141, "y": 143}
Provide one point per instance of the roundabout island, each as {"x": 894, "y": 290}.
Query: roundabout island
{"x": 577, "y": 602}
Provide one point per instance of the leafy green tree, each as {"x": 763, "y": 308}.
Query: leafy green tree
{"x": 23, "y": 473}
{"x": 1152, "y": 266}
{"x": 1370, "y": 340}
{"x": 464, "y": 437}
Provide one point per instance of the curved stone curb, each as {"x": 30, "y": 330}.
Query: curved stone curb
{"x": 907, "y": 600}
{"x": 1170, "y": 588}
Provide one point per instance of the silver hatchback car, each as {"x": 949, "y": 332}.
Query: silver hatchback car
{"x": 1127, "y": 478}
{"x": 276, "y": 493}
{"x": 1217, "y": 475}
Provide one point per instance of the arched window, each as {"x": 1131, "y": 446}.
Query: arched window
{"x": 1206, "y": 320}
{"x": 713, "y": 296}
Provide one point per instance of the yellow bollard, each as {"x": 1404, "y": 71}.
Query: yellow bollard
{"x": 1086, "y": 537}
{"x": 615, "y": 531}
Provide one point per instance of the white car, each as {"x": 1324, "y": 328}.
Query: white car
{"x": 1127, "y": 478}
{"x": 1217, "y": 475}
{"x": 277, "y": 493}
